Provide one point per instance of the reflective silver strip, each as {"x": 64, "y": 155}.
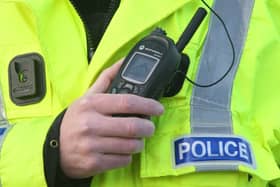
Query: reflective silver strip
{"x": 4, "y": 129}
{"x": 4, "y": 124}
{"x": 2, "y": 111}
{"x": 210, "y": 107}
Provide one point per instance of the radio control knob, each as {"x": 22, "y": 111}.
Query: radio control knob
{"x": 159, "y": 31}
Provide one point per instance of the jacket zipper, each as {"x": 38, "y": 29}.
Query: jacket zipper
{"x": 91, "y": 45}
{"x": 114, "y": 4}
{"x": 112, "y": 7}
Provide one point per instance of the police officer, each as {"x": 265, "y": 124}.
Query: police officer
{"x": 56, "y": 120}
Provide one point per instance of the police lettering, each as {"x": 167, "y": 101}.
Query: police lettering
{"x": 200, "y": 149}
{"x": 192, "y": 150}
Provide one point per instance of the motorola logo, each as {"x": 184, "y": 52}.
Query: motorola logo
{"x": 141, "y": 47}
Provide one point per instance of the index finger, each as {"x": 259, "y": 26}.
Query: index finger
{"x": 105, "y": 79}
{"x": 111, "y": 104}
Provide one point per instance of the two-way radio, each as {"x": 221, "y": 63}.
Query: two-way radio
{"x": 156, "y": 66}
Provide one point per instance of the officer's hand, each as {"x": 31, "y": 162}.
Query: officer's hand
{"x": 92, "y": 141}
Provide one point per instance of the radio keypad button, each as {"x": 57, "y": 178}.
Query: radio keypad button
{"x": 128, "y": 86}
{"x": 120, "y": 85}
{"x": 114, "y": 90}
{"x": 136, "y": 89}
{"x": 124, "y": 91}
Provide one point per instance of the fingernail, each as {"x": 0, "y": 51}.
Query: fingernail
{"x": 160, "y": 108}
{"x": 140, "y": 146}
{"x": 151, "y": 130}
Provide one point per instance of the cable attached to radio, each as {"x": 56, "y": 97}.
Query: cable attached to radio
{"x": 232, "y": 47}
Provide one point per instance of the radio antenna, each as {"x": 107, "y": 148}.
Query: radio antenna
{"x": 191, "y": 28}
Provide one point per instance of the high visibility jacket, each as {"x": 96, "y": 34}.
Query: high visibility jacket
{"x": 54, "y": 30}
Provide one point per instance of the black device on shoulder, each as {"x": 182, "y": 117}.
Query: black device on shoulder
{"x": 156, "y": 66}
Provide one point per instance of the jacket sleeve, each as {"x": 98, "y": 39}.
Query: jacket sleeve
{"x": 54, "y": 174}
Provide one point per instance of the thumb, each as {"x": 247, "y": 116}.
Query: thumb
{"x": 105, "y": 78}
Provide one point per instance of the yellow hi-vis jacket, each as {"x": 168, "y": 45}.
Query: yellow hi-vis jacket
{"x": 53, "y": 29}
